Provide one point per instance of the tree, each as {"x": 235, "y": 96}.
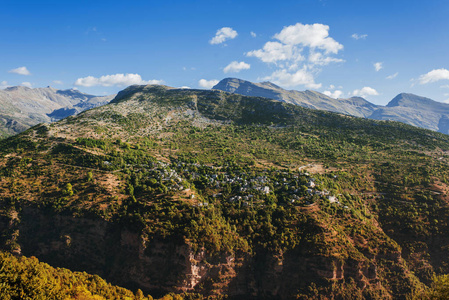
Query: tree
{"x": 90, "y": 176}
{"x": 68, "y": 190}
{"x": 439, "y": 289}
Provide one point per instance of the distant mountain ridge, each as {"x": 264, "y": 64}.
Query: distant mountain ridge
{"x": 22, "y": 107}
{"x": 406, "y": 108}
{"x": 356, "y": 106}
{"x": 415, "y": 110}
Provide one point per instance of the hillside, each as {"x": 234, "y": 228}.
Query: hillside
{"x": 22, "y": 107}
{"x": 173, "y": 190}
{"x": 406, "y": 108}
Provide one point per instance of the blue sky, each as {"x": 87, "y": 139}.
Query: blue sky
{"x": 374, "y": 49}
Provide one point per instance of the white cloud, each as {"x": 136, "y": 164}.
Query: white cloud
{"x": 236, "y": 67}
{"x": 357, "y": 36}
{"x": 114, "y": 80}
{"x": 185, "y": 87}
{"x": 275, "y": 51}
{"x": 301, "y": 77}
{"x": 223, "y": 34}
{"x": 333, "y": 87}
{"x": 313, "y": 36}
{"x": 317, "y": 58}
{"x": 293, "y": 67}
{"x": 365, "y": 91}
{"x": 378, "y": 66}
{"x": 20, "y": 71}
{"x": 207, "y": 84}
{"x": 447, "y": 100}
{"x": 253, "y": 34}
{"x": 188, "y": 69}
{"x": 4, "y": 84}
{"x": 27, "y": 84}
{"x": 335, "y": 94}
{"x": 392, "y": 76}
{"x": 434, "y": 75}
{"x": 446, "y": 86}
{"x": 58, "y": 82}
{"x": 91, "y": 29}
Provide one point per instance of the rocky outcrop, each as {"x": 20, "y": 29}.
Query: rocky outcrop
{"x": 158, "y": 265}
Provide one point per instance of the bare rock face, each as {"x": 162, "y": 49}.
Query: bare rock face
{"x": 22, "y": 107}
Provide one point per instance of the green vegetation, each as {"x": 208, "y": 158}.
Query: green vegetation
{"x": 363, "y": 202}
{"x": 438, "y": 290}
{"x": 27, "y": 278}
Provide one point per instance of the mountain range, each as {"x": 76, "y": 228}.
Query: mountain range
{"x": 22, "y": 107}
{"x": 406, "y": 108}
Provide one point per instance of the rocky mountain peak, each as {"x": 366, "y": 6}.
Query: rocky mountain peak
{"x": 17, "y": 88}
{"x": 412, "y": 101}
{"x": 406, "y": 99}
